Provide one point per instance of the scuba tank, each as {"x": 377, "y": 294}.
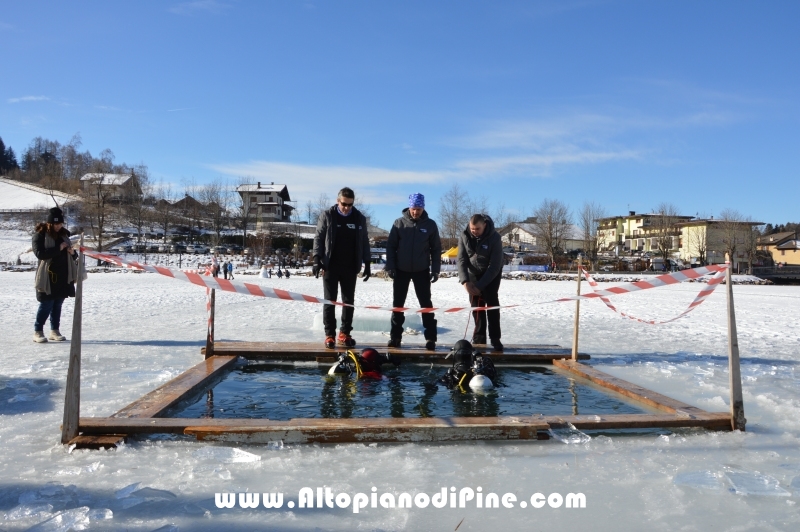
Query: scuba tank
{"x": 470, "y": 368}
{"x": 365, "y": 364}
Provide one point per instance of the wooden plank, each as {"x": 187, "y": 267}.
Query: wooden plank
{"x": 395, "y": 429}
{"x": 191, "y": 381}
{"x": 376, "y": 430}
{"x": 708, "y": 420}
{"x": 516, "y": 353}
{"x": 72, "y": 397}
{"x": 628, "y": 389}
{"x": 110, "y": 441}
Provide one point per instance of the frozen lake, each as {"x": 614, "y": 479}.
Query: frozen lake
{"x": 140, "y": 330}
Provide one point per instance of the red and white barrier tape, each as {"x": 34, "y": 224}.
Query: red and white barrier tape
{"x": 276, "y": 293}
{"x": 663, "y": 280}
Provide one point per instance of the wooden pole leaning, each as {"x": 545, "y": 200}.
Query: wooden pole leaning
{"x": 738, "y": 420}
{"x": 211, "y": 304}
{"x": 72, "y": 398}
{"x": 577, "y": 315}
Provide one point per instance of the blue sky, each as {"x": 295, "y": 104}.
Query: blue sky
{"x": 625, "y": 103}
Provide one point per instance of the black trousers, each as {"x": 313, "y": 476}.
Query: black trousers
{"x": 330, "y": 286}
{"x": 422, "y": 287}
{"x": 488, "y": 298}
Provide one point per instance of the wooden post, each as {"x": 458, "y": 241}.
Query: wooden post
{"x": 210, "y": 306}
{"x": 72, "y": 399}
{"x": 738, "y": 420}
{"x": 577, "y": 315}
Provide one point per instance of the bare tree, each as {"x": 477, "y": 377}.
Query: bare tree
{"x": 97, "y": 198}
{"x": 309, "y": 211}
{"x": 730, "y": 225}
{"x": 664, "y": 228}
{"x": 589, "y": 220}
{"x": 453, "y": 213}
{"x": 164, "y": 208}
{"x": 697, "y": 242}
{"x": 215, "y": 196}
{"x": 243, "y": 211}
{"x": 552, "y": 226}
{"x": 134, "y": 203}
{"x": 322, "y": 204}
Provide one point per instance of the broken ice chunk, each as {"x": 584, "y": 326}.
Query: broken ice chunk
{"x": 747, "y": 483}
{"x": 706, "y": 480}
{"x": 74, "y": 519}
{"x": 569, "y": 434}
{"x": 100, "y": 513}
{"x": 127, "y": 490}
{"x": 226, "y": 455}
{"x": 23, "y": 511}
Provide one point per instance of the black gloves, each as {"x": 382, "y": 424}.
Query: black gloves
{"x": 367, "y": 273}
{"x": 316, "y": 267}
{"x": 390, "y": 273}
{"x": 434, "y": 277}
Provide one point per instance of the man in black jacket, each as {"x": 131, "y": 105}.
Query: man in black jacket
{"x": 414, "y": 253}
{"x": 480, "y": 268}
{"x": 341, "y": 245}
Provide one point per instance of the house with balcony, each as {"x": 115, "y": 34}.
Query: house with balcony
{"x": 784, "y": 247}
{"x": 117, "y": 188}
{"x": 267, "y": 203}
{"x": 637, "y": 233}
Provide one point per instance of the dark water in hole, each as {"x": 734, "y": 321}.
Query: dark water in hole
{"x": 281, "y": 392}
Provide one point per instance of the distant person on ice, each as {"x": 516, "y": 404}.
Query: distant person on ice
{"x": 230, "y": 270}
{"x": 55, "y": 275}
{"x": 341, "y": 246}
{"x": 480, "y": 269}
{"x": 413, "y": 253}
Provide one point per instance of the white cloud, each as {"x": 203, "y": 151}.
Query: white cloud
{"x": 29, "y": 99}
{"x": 310, "y": 180}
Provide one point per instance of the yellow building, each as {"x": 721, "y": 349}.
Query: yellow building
{"x": 636, "y": 233}
{"x": 784, "y": 247}
{"x": 704, "y": 241}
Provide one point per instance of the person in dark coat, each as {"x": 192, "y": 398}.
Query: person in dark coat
{"x": 341, "y": 246}
{"x": 55, "y": 275}
{"x": 413, "y": 253}
{"x": 480, "y": 269}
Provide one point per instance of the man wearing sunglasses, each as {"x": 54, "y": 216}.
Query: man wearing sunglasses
{"x": 341, "y": 245}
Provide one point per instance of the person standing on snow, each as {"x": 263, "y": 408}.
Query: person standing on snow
{"x": 413, "y": 253}
{"x": 341, "y": 246}
{"x": 55, "y": 275}
{"x": 230, "y": 270}
{"x": 480, "y": 269}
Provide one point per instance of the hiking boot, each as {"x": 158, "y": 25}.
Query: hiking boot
{"x": 394, "y": 342}
{"x": 38, "y": 337}
{"x": 57, "y": 336}
{"x": 481, "y": 340}
{"x": 430, "y": 345}
{"x": 496, "y": 345}
{"x": 345, "y": 340}
{"x": 330, "y": 343}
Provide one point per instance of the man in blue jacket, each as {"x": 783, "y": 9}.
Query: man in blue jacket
{"x": 413, "y": 253}
{"x": 341, "y": 245}
{"x": 480, "y": 269}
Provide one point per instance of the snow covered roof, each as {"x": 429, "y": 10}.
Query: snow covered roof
{"x": 17, "y": 196}
{"x": 108, "y": 179}
{"x": 260, "y": 187}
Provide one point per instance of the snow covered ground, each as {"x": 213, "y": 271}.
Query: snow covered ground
{"x": 140, "y": 330}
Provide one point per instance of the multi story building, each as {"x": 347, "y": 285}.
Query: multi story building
{"x": 267, "y": 203}
{"x": 639, "y": 233}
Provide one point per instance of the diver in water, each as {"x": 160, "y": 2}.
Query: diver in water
{"x": 470, "y": 368}
{"x": 365, "y": 365}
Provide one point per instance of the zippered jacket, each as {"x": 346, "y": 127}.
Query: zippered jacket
{"x": 325, "y": 238}
{"x": 480, "y": 260}
{"x": 414, "y": 245}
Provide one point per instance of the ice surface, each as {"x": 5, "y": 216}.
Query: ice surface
{"x": 707, "y": 480}
{"x": 225, "y": 455}
{"x": 377, "y": 321}
{"x": 754, "y": 483}
{"x": 138, "y": 329}
{"x": 24, "y": 511}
